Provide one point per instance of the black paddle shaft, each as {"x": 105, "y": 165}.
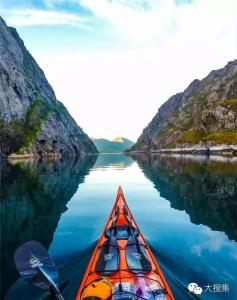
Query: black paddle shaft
{"x": 53, "y": 289}
{"x": 56, "y": 294}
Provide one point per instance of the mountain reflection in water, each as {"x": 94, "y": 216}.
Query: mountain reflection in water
{"x": 206, "y": 188}
{"x": 186, "y": 206}
{"x": 34, "y": 194}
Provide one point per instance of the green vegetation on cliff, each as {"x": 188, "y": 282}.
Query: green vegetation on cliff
{"x": 32, "y": 121}
{"x": 221, "y": 137}
{"x": 229, "y": 104}
{"x": 192, "y": 131}
{"x": 19, "y": 135}
{"x": 203, "y": 115}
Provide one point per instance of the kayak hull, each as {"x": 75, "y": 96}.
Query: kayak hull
{"x": 123, "y": 273}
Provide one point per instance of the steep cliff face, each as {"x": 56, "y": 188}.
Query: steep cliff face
{"x": 203, "y": 117}
{"x": 32, "y": 121}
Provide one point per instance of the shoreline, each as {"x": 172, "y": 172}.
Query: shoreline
{"x": 230, "y": 151}
{"x": 222, "y": 150}
{"x": 30, "y": 156}
{"x": 56, "y": 156}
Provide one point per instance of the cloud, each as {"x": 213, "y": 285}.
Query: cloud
{"x": 29, "y": 17}
{"x": 152, "y": 20}
{"x": 214, "y": 242}
{"x": 142, "y": 22}
{"x": 137, "y": 20}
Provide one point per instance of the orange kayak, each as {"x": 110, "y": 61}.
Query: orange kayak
{"x": 122, "y": 265}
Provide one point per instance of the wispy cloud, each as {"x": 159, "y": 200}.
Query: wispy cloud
{"x": 30, "y": 17}
{"x": 136, "y": 20}
{"x": 155, "y": 20}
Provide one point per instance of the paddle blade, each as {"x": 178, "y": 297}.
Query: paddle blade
{"x": 35, "y": 265}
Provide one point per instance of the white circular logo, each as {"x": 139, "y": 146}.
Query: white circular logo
{"x": 197, "y": 290}
{"x": 194, "y": 288}
{"x": 35, "y": 262}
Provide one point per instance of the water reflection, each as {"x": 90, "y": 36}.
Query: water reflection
{"x": 41, "y": 201}
{"x": 206, "y": 188}
{"x": 33, "y": 197}
{"x": 115, "y": 161}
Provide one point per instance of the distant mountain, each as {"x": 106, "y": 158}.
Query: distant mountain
{"x": 32, "y": 121}
{"x": 201, "y": 118}
{"x": 116, "y": 145}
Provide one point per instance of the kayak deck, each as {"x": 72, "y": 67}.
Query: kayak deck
{"x": 123, "y": 256}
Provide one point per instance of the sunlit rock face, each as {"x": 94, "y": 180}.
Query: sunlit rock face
{"x": 34, "y": 195}
{"x": 32, "y": 121}
{"x": 201, "y": 118}
{"x": 205, "y": 188}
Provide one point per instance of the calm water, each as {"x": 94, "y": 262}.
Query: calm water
{"x": 186, "y": 208}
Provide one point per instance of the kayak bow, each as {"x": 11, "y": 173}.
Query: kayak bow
{"x": 123, "y": 257}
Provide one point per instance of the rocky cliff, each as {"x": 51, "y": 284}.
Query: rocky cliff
{"x": 32, "y": 121}
{"x": 202, "y": 118}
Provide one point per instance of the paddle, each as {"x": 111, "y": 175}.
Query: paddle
{"x": 137, "y": 259}
{"x": 36, "y": 266}
{"x": 108, "y": 261}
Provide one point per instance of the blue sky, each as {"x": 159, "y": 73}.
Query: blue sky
{"x": 56, "y": 23}
{"x": 114, "y": 62}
